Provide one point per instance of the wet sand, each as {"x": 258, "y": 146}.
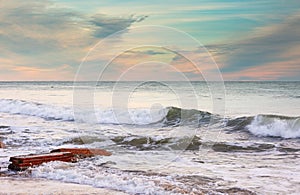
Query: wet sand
{"x": 9, "y": 185}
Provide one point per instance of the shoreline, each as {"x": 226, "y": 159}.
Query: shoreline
{"x": 20, "y": 185}
{"x": 23, "y": 183}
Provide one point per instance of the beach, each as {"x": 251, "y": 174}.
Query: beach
{"x": 169, "y": 97}
{"x": 10, "y": 185}
{"x": 158, "y": 146}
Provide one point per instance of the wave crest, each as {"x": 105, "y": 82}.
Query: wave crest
{"x": 167, "y": 116}
{"x": 275, "y": 126}
{"x": 177, "y": 116}
{"x": 260, "y": 125}
{"x": 48, "y": 112}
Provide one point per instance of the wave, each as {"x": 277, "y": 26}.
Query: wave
{"x": 239, "y": 123}
{"x": 275, "y": 126}
{"x": 268, "y": 125}
{"x": 48, "y": 112}
{"x": 94, "y": 172}
{"x": 179, "y": 116}
{"x": 169, "y": 116}
{"x": 260, "y": 125}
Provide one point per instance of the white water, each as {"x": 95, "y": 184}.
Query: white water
{"x": 105, "y": 116}
{"x": 274, "y": 126}
{"x": 90, "y": 174}
{"x": 40, "y": 118}
{"x": 35, "y": 109}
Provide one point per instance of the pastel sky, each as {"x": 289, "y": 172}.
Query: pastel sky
{"x": 248, "y": 39}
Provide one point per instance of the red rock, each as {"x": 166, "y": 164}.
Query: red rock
{"x": 84, "y": 152}
{"x": 20, "y": 163}
{"x": 2, "y": 145}
{"x": 39, "y": 157}
{"x": 26, "y": 161}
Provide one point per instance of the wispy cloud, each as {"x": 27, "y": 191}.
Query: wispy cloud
{"x": 288, "y": 70}
{"x": 40, "y": 34}
{"x": 274, "y": 44}
{"x": 105, "y": 25}
{"x": 246, "y": 38}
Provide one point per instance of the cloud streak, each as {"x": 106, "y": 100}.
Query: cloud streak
{"x": 105, "y": 25}
{"x": 246, "y": 41}
{"x": 42, "y": 35}
{"x": 274, "y": 44}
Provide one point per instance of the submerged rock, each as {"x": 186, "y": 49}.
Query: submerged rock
{"x": 187, "y": 143}
{"x": 141, "y": 143}
{"x": 83, "y": 152}
{"x": 83, "y": 140}
{"x": 224, "y": 147}
{"x": 234, "y": 190}
{"x": 286, "y": 149}
{"x": 149, "y": 143}
{"x": 4, "y": 127}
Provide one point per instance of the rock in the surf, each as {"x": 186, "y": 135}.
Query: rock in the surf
{"x": 2, "y": 145}
{"x": 20, "y": 163}
{"x": 83, "y": 152}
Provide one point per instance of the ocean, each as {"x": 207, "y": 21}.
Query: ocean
{"x": 165, "y": 137}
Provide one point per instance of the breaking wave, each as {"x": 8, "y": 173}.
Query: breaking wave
{"x": 275, "y": 126}
{"x": 167, "y": 116}
{"x": 36, "y": 109}
{"x": 260, "y": 125}
{"x": 268, "y": 126}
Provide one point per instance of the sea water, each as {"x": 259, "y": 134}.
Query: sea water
{"x": 171, "y": 137}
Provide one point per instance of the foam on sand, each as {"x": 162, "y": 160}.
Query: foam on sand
{"x": 24, "y": 186}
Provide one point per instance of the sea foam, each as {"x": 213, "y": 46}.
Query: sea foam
{"x": 275, "y": 126}
{"x": 103, "y": 116}
{"x": 36, "y": 109}
{"x": 130, "y": 116}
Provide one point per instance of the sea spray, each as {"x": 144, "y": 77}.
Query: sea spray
{"x": 275, "y": 126}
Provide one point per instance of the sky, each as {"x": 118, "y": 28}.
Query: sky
{"x": 136, "y": 40}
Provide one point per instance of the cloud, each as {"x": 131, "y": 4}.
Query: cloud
{"x": 105, "y": 25}
{"x": 158, "y": 62}
{"x": 43, "y": 35}
{"x": 36, "y": 27}
{"x": 288, "y": 70}
{"x": 11, "y": 72}
{"x": 267, "y": 45}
